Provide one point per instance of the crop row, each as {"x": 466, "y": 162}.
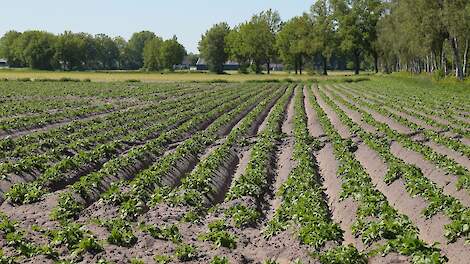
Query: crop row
{"x": 54, "y": 175}
{"x": 70, "y": 132}
{"x": 202, "y": 186}
{"x": 303, "y": 205}
{"x": 428, "y": 153}
{"x": 375, "y": 219}
{"x": 254, "y": 182}
{"x": 154, "y": 180}
{"x": 399, "y": 106}
{"x": 416, "y": 183}
{"x": 136, "y": 159}
{"x": 79, "y": 148}
{"x": 412, "y": 107}
{"x": 431, "y": 98}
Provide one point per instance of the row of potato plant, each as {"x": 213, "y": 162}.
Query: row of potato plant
{"x": 53, "y": 175}
{"x": 427, "y": 133}
{"x": 198, "y": 186}
{"x": 86, "y": 187}
{"x": 376, "y": 219}
{"x": 303, "y": 206}
{"x": 441, "y": 161}
{"x": 416, "y": 183}
{"x": 146, "y": 182}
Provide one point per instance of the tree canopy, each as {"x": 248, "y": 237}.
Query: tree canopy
{"x": 388, "y": 35}
{"x": 213, "y": 47}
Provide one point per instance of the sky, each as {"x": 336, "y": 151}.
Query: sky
{"x": 187, "y": 19}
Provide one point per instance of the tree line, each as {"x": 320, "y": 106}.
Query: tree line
{"x": 393, "y": 35}
{"x": 83, "y": 51}
{"x": 379, "y": 35}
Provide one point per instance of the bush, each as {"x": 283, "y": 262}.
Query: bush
{"x": 264, "y": 81}
{"x": 218, "y": 81}
{"x": 438, "y": 75}
{"x": 67, "y": 79}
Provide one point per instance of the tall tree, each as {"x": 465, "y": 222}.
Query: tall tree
{"x": 107, "y": 52}
{"x": 456, "y": 18}
{"x": 7, "y": 48}
{"x": 36, "y": 49}
{"x": 212, "y": 47}
{"x": 273, "y": 21}
{"x": 323, "y": 32}
{"x": 172, "y": 53}
{"x": 357, "y": 21}
{"x": 69, "y": 51}
{"x": 136, "y": 46}
{"x": 294, "y": 40}
{"x": 152, "y": 49}
{"x": 237, "y": 49}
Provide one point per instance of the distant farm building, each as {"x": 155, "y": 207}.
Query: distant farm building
{"x": 3, "y": 63}
{"x": 201, "y": 65}
{"x": 185, "y": 64}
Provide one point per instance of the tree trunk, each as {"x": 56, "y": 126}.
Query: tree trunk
{"x": 376, "y": 62}
{"x": 357, "y": 63}
{"x": 325, "y": 65}
{"x": 457, "y": 62}
{"x": 443, "y": 61}
{"x": 300, "y": 65}
{"x": 269, "y": 66}
{"x": 296, "y": 67}
{"x": 465, "y": 58}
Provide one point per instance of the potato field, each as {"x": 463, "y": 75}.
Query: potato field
{"x": 376, "y": 171}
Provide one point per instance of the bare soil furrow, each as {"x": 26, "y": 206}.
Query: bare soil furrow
{"x": 410, "y": 118}
{"x": 464, "y": 161}
{"x": 456, "y": 156}
{"x": 380, "y": 118}
{"x": 444, "y": 180}
{"x": 379, "y": 102}
{"x": 342, "y": 129}
{"x": 343, "y": 211}
{"x": 313, "y": 124}
{"x": 18, "y": 133}
{"x": 284, "y": 162}
{"x": 430, "y": 230}
{"x": 355, "y": 116}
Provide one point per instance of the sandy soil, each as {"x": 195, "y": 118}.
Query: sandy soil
{"x": 438, "y": 176}
{"x": 430, "y": 230}
{"x": 342, "y": 129}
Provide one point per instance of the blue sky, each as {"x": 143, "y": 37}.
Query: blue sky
{"x": 188, "y": 19}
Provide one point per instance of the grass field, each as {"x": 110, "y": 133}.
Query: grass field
{"x": 375, "y": 171}
{"x": 14, "y": 74}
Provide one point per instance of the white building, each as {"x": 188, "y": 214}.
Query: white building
{"x": 3, "y": 63}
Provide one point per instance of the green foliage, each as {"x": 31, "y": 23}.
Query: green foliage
{"x": 4, "y": 259}
{"x": 21, "y": 193}
{"x": 219, "y": 236}
{"x": 137, "y": 261}
{"x": 212, "y": 47}
{"x": 293, "y": 41}
{"x": 68, "y": 208}
{"x": 185, "y": 252}
{"x": 343, "y": 254}
{"x": 151, "y": 54}
{"x": 243, "y": 216}
{"x": 121, "y": 233}
{"x": 162, "y": 259}
{"x": 171, "y": 53}
{"x": 219, "y": 260}
{"x": 170, "y": 233}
